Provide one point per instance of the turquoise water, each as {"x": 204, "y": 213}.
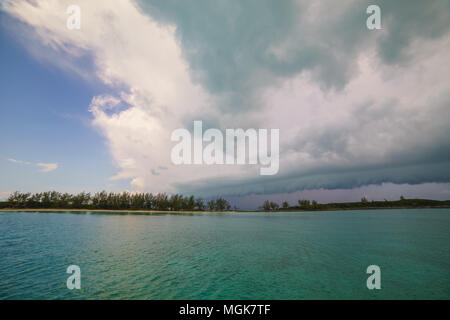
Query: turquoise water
{"x": 308, "y": 255}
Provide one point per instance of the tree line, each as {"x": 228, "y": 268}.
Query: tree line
{"x": 363, "y": 204}
{"x": 115, "y": 201}
{"x": 302, "y": 204}
{"x": 177, "y": 202}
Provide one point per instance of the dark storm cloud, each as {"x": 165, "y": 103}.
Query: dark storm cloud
{"x": 231, "y": 45}
{"x": 237, "y": 48}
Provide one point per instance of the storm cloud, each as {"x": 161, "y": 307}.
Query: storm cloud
{"x": 355, "y": 107}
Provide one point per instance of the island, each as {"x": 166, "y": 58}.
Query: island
{"x": 162, "y": 202}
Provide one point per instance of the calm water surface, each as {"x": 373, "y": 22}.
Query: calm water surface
{"x": 308, "y": 255}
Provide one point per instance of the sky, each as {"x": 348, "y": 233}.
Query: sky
{"x": 360, "y": 112}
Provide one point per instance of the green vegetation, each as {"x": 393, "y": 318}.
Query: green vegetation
{"x": 270, "y": 206}
{"x": 4, "y": 204}
{"x": 113, "y": 201}
{"x": 177, "y": 202}
{"x": 307, "y": 205}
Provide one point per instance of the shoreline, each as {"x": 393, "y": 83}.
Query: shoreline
{"x": 105, "y": 210}
{"x": 192, "y": 212}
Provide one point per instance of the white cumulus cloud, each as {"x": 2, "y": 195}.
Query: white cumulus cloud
{"x": 44, "y": 167}
{"x": 47, "y": 167}
{"x": 19, "y": 161}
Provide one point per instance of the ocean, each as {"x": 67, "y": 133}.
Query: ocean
{"x": 282, "y": 255}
